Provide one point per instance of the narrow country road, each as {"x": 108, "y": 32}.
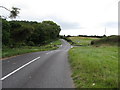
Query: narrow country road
{"x": 46, "y": 69}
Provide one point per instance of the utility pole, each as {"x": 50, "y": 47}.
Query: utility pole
{"x": 105, "y": 31}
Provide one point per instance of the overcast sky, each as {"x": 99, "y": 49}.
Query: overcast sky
{"x": 76, "y": 17}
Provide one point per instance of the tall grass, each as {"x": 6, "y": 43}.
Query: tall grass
{"x": 94, "y": 67}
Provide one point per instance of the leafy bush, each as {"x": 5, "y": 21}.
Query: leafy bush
{"x": 30, "y": 43}
{"x": 111, "y": 40}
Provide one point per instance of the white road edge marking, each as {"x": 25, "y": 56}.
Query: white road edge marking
{"x": 19, "y": 69}
{"x": 71, "y": 46}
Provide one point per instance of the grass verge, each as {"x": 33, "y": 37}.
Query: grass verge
{"x": 7, "y": 52}
{"x": 94, "y": 67}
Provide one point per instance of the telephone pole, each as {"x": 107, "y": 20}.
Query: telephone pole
{"x": 105, "y": 30}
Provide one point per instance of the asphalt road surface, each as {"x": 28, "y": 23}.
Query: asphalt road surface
{"x": 46, "y": 69}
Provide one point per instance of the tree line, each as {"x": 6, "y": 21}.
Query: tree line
{"x": 28, "y": 33}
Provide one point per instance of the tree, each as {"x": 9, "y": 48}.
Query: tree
{"x": 52, "y": 28}
{"x": 13, "y": 12}
{"x": 20, "y": 32}
{"x": 5, "y": 32}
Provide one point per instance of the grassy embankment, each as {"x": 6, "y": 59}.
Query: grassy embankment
{"x": 7, "y": 52}
{"x": 94, "y": 66}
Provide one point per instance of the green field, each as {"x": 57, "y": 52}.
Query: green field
{"x": 7, "y": 52}
{"x": 94, "y": 66}
{"x": 82, "y": 40}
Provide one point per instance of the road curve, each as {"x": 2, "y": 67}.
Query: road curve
{"x": 46, "y": 69}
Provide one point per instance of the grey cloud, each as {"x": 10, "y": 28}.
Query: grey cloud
{"x": 69, "y": 25}
{"x": 64, "y": 24}
{"x": 112, "y": 24}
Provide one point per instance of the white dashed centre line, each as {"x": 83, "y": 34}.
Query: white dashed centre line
{"x": 49, "y": 52}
